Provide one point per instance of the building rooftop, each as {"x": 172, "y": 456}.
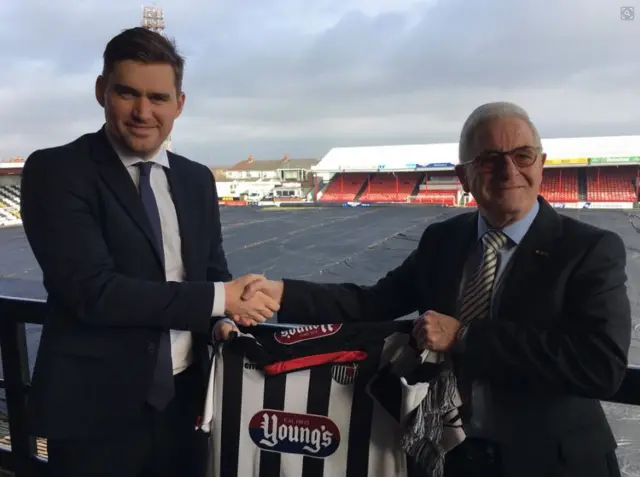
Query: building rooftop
{"x": 251, "y": 164}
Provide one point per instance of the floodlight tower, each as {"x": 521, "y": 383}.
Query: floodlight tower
{"x": 153, "y": 19}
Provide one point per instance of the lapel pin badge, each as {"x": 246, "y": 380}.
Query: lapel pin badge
{"x": 542, "y": 253}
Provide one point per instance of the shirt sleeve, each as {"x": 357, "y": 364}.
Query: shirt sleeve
{"x": 218, "y": 300}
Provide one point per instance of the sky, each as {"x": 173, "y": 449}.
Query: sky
{"x": 272, "y": 77}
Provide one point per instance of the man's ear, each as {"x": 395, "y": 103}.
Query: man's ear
{"x": 181, "y": 99}
{"x": 461, "y": 172}
{"x": 101, "y": 89}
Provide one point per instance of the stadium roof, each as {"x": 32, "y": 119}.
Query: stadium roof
{"x": 410, "y": 156}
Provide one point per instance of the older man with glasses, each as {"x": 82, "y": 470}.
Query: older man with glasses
{"x": 529, "y": 306}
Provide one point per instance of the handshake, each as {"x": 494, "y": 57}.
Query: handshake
{"x": 252, "y": 299}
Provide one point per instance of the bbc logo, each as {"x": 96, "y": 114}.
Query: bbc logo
{"x": 627, "y": 13}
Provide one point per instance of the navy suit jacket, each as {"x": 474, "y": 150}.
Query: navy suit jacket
{"x": 557, "y": 344}
{"x": 107, "y": 295}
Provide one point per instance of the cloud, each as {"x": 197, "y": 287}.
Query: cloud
{"x": 299, "y": 77}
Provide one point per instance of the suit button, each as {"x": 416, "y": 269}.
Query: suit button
{"x": 151, "y": 348}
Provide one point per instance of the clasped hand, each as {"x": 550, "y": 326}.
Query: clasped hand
{"x": 435, "y": 331}
{"x": 251, "y": 299}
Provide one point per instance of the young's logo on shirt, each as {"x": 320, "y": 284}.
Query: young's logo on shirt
{"x": 290, "y": 433}
{"x": 305, "y": 333}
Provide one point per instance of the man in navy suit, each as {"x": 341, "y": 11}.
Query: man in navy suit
{"x": 129, "y": 240}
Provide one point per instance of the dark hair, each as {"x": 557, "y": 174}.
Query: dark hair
{"x": 145, "y": 46}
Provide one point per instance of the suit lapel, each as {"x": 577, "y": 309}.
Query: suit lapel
{"x": 116, "y": 177}
{"x": 531, "y": 260}
{"x": 178, "y": 183}
{"x": 459, "y": 241}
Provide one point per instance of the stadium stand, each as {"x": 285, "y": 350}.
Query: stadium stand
{"x": 607, "y": 184}
{"x": 438, "y": 188}
{"x": 389, "y": 187}
{"x": 600, "y": 172}
{"x": 344, "y": 187}
{"x": 613, "y": 185}
{"x": 9, "y": 205}
{"x": 560, "y": 185}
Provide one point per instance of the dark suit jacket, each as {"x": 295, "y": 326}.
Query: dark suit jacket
{"x": 557, "y": 344}
{"x": 107, "y": 294}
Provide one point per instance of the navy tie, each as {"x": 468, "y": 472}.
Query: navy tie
{"x": 161, "y": 391}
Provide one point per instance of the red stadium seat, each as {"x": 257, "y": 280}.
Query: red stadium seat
{"x": 560, "y": 185}
{"x": 343, "y": 187}
{"x": 384, "y": 187}
{"x": 611, "y": 184}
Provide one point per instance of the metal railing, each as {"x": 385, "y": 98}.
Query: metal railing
{"x": 21, "y": 457}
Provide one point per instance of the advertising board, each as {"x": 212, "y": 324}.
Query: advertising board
{"x": 615, "y": 160}
{"x": 439, "y": 165}
{"x": 592, "y": 205}
{"x": 606, "y": 205}
{"x": 577, "y": 160}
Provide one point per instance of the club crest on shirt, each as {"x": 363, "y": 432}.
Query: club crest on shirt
{"x": 305, "y": 333}
{"x": 344, "y": 373}
{"x": 290, "y": 433}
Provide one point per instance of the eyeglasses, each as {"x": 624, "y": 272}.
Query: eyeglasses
{"x": 522, "y": 157}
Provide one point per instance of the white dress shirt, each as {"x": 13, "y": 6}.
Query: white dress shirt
{"x": 181, "y": 341}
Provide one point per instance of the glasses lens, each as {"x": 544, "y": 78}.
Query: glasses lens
{"x": 522, "y": 157}
{"x": 525, "y": 156}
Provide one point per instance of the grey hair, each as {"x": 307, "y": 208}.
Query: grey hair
{"x": 486, "y": 112}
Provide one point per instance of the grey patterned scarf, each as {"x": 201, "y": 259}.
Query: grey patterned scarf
{"x": 436, "y": 426}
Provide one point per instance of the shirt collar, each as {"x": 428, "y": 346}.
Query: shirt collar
{"x": 515, "y": 231}
{"x": 161, "y": 157}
